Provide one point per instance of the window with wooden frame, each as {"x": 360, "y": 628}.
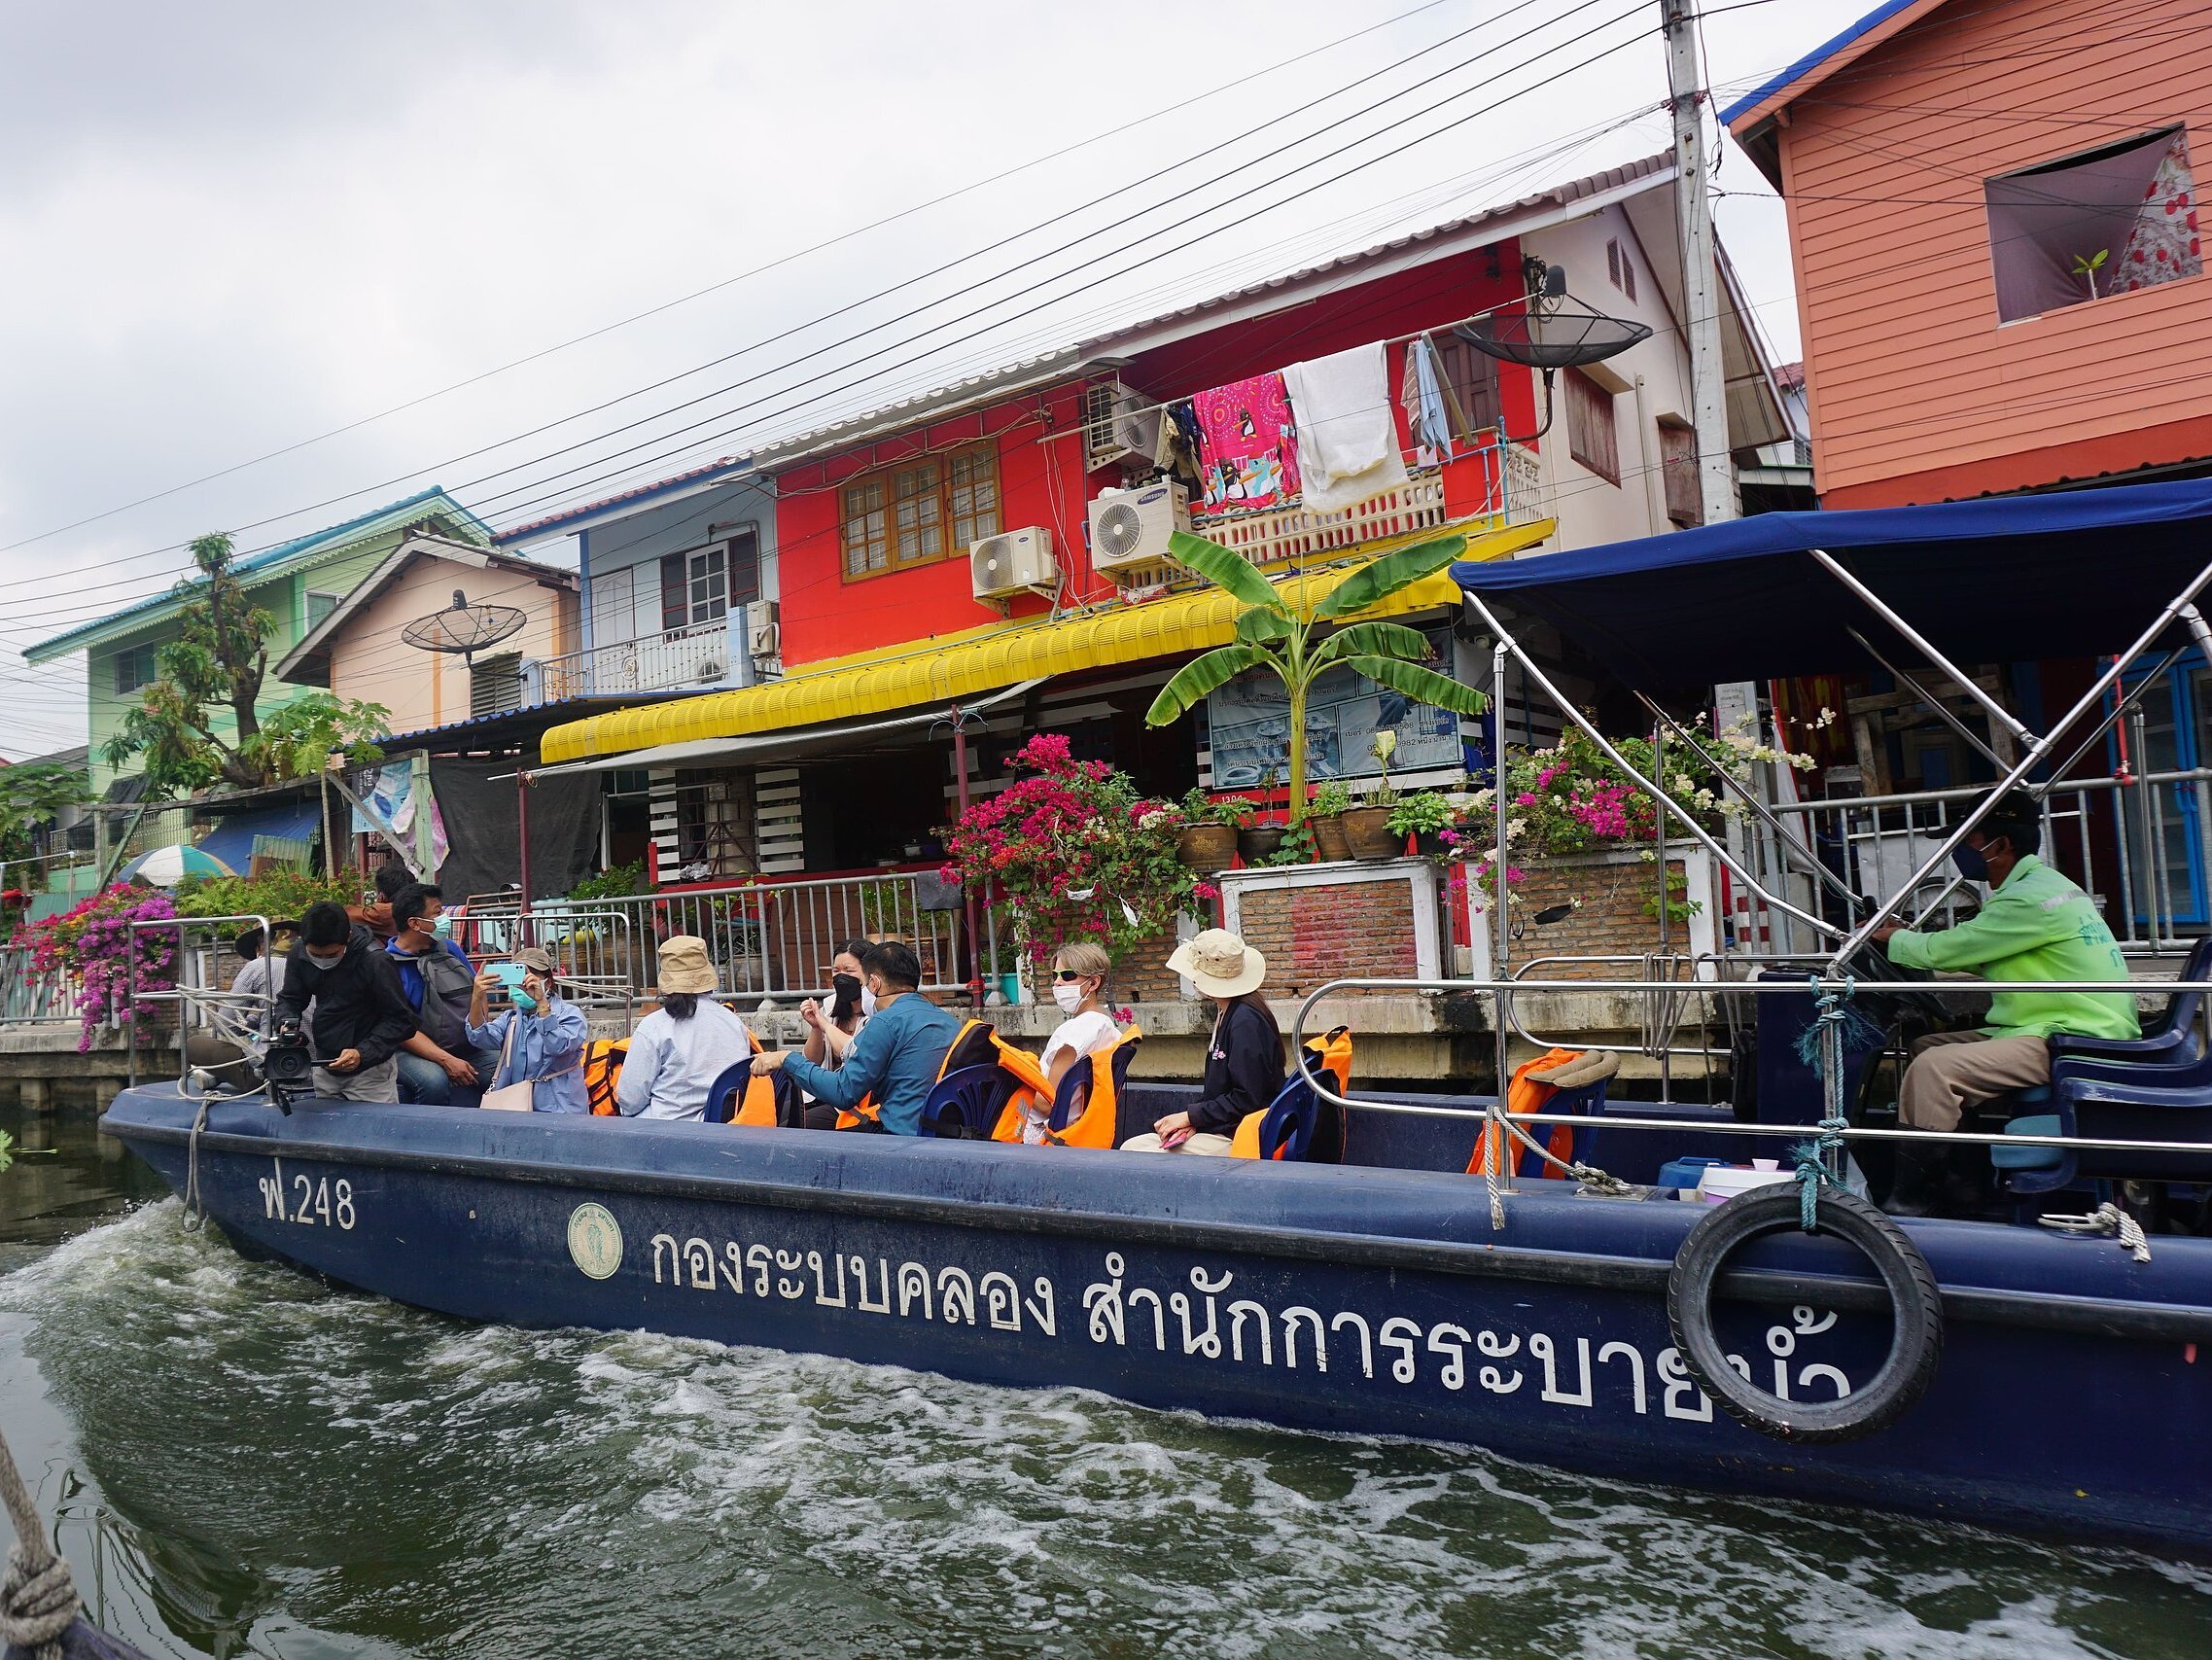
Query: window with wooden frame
{"x": 919, "y": 512}
{"x": 1591, "y": 437}
{"x": 1472, "y": 377}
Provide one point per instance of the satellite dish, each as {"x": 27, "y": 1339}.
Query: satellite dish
{"x": 1556, "y": 332}
{"x": 464, "y": 628}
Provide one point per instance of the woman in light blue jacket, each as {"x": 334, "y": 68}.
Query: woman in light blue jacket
{"x": 549, "y": 1035}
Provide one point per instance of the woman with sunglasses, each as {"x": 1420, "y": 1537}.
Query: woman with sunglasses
{"x": 1079, "y": 986}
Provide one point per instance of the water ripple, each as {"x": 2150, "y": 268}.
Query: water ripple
{"x": 291, "y": 1461}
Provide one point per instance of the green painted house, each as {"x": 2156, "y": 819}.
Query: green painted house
{"x": 298, "y": 583}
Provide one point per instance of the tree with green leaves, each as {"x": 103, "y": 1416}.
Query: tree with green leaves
{"x": 32, "y": 792}
{"x": 1274, "y": 635}
{"x": 219, "y": 661}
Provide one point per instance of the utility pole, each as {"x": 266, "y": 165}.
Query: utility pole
{"x": 1701, "y": 281}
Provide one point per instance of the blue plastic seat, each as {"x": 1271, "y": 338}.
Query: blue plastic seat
{"x": 2109, "y": 1109}
{"x": 1072, "y": 1097}
{"x": 1583, "y": 1101}
{"x": 2030, "y": 1157}
{"x": 1300, "y": 1127}
{"x": 965, "y": 1104}
{"x": 722, "y": 1094}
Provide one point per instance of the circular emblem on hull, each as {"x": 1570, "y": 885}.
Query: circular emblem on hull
{"x": 595, "y": 1241}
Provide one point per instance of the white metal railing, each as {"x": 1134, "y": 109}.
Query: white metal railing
{"x": 1511, "y": 493}
{"x": 1870, "y": 845}
{"x": 695, "y": 655}
{"x": 30, "y": 998}
{"x": 770, "y": 938}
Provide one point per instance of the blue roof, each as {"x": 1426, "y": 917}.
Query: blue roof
{"x": 2074, "y": 574}
{"x": 268, "y": 560}
{"x": 1815, "y": 59}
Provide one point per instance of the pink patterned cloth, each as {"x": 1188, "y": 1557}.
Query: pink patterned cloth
{"x": 2163, "y": 245}
{"x": 1251, "y": 446}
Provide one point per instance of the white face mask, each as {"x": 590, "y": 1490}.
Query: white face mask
{"x": 314, "y": 962}
{"x": 1069, "y": 994}
{"x": 868, "y": 1000}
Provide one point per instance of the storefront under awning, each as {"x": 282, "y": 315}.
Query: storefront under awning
{"x": 941, "y": 672}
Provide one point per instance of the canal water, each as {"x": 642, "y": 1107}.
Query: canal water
{"x": 247, "y": 1462}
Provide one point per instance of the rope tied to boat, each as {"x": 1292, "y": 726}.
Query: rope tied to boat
{"x": 2107, "y": 1217}
{"x": 1837, "y": 1026}
{"x": 196, "y": 1208}
{"x": 38, "y": 1598}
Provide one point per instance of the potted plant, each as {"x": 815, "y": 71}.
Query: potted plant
{"x": 1296, "y": 846}
{"x": 1425, "y": 815}
{"x": 1274, "y": 635}
{"x": 1324, "y": 817}
{"x": 1258, "y": 842}
{"x": 1208, "y": 840}
{"x": 1367, "y": 826}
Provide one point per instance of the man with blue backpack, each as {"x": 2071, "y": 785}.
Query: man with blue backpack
{"x": 438, "y": 1066}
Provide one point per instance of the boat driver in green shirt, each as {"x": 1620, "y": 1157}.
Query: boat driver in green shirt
{"x": 2035, "y": 926}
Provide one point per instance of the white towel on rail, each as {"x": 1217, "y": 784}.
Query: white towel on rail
{"x": 1347, "y": 434}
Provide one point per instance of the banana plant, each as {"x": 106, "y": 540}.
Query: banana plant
{"x": 1277, "y": 637}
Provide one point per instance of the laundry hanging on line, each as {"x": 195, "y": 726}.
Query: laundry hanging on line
{"x": 1433, "y": 409}
{"x": 1347, "y": 431}
{"x": 1251, "y": 444}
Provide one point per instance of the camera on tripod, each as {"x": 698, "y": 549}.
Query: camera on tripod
{"x": 287, "y": 1065}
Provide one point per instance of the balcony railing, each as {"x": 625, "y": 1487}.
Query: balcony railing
{"x": 697, "y": 656}
{"x": 1510, "y": 493}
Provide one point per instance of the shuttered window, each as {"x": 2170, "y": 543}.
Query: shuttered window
{"x": 1591, "y": 437}
{"x": 1678, "y": 465}
{"x": 495, "y": 684}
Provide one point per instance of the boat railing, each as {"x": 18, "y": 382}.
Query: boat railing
{"x": 1502, "y": 993}
{"x": 196, "y": 992}
{"x": 1872, "y": 843}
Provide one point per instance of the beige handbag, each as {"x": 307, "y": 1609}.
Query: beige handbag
{"x": 521, "y": 1095}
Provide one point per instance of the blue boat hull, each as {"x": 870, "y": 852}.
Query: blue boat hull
{"x": 2072, "y": 1396}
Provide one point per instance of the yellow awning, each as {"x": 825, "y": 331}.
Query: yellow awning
{"x": 941, "y": 671}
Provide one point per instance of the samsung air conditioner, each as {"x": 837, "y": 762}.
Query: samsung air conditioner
{"x": 1019, "y": 561}
{"x": 1118, "y": 424}
{"x": 762, "y": 639}
{"x": 1130, "y": 528}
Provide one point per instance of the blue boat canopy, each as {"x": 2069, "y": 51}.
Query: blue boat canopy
{"x": 2014, "y": 578}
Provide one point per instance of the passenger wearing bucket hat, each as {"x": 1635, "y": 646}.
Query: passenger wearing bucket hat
{"x": 681, "y": 1048}
{"x": 1244, "y": 1059}
{"x": 549, "y": 1033}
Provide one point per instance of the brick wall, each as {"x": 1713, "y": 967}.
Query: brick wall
{"x": 1312, "y": 935}
{"x": 1612, "y": 917}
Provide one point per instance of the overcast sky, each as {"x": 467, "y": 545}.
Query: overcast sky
{"x": 236, "y": 227}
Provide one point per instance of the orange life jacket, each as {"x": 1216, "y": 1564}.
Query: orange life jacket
{"x": 603, "y": 1059}
{"x": 1331, "y": 1053}
{"x": 756, "y": 1108}
{"x": 1086, "y": 1107}
{"x": 972, "y": 1045}
{"x": 1526, "y": 1095}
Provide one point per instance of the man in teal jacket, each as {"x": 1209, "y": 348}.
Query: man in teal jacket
{"x": 2036, "y": 925}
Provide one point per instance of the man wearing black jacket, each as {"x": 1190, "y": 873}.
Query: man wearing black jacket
{"x": 361, "y": 1016}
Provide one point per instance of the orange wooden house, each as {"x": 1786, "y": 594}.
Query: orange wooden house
{"x": 1993, "y": 210}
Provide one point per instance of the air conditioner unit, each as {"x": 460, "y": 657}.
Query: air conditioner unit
{"x": 1118, "y": 423}
{"x": 1019, "y": 561}
{"x": 708, "y": 671}
{"x": 1130, "y": 528}
{"x": 760, "y": 632}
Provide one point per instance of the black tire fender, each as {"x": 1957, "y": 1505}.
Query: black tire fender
{"x": 1915, "y": 1307}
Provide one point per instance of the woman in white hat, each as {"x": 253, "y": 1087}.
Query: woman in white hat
{"x": 680, "y": 1048}
{"x": 1244, "y": 1060}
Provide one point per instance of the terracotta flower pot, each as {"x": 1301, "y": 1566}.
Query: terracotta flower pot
{"x": 1259, "y": 843}
{"x": 1207, "y": 847}
{"x": 1328, "y": 836}
{"x": 1367, "y": 832}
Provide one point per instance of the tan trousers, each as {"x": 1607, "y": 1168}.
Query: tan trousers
{"x": 1215, "y": 1147}
{"x": 1951, "y": 1069}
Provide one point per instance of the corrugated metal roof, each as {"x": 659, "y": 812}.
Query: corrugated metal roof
{"x": 732, "y": 464}
{"x": 262, "y": 563}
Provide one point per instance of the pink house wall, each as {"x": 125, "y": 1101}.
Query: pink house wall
{"x": 1918, "y": 391}
{"x": 369, "y": 662}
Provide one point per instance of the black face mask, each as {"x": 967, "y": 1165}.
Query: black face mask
{"x": 848, "y": 1001}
